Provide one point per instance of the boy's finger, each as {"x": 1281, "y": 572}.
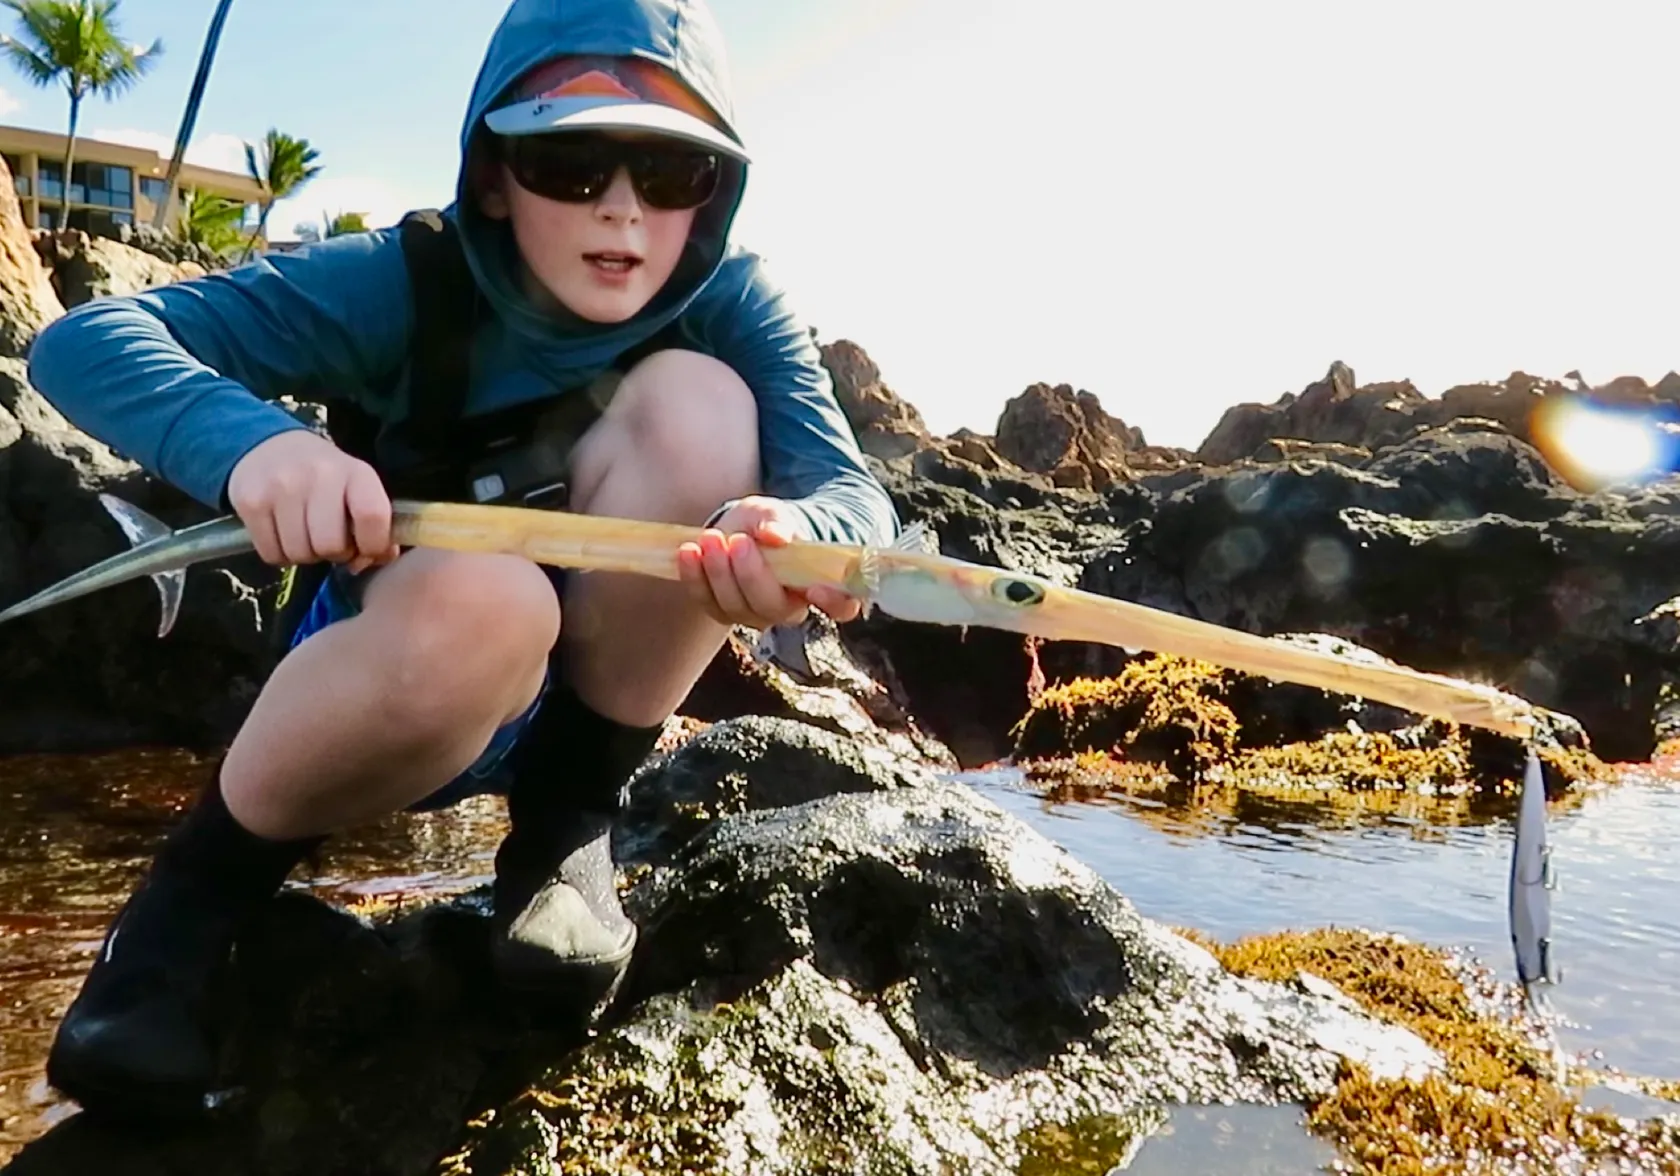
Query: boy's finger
{"x": 369, "y": 508}
{"x": 720, "y": 575}
{"x": 266, "y": 538}
{"x": 691, "y": 569}
{"x": 764, "y": 594}
{"x": 293, "y": 530}
{"x": 329, "y": 526}
{"x": 839, "y": 605}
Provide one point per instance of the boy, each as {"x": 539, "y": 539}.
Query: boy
{"x": 615, "y": 328}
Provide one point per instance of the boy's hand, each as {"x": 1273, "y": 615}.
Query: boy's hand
{"x": 304, "y": 500}
{"x": 730, "y": 579}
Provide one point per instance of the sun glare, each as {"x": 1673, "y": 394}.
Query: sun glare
{"x": 1594, "y": 446}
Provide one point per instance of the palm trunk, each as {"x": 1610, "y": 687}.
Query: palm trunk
{"x": 69, "y": 161}
{"x": 262, "y": 228}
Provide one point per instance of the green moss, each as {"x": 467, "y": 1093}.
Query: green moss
{"x": 1096, "y": 1144}
{"x": 1166, "y": 710}
{"x": 1166, "y": 727}
{"x": 1498, "y": 1097}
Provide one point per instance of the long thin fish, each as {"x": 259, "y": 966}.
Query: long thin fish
{"x": 911, "y": 583}
{"x": 906, "y": 581}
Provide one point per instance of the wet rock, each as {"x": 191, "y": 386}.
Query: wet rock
{"x": 745, "y": 764}
{"x": 898, "y": 976}
{"x": 908, "y": 980}
{"x": 364, "y": 1047}
{"x": 1454, "y": 552}
{"x": 1500, "y": 1103}
{"x": 830, "y": 691}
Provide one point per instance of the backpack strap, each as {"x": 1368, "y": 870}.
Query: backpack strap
{"x": 446, "y": 309}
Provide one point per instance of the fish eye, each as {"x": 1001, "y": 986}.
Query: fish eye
{"x": 1020, "y": 592}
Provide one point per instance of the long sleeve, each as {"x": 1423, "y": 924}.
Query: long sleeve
{"x": 808, "y": 450}
{"x": 178, "y": 378}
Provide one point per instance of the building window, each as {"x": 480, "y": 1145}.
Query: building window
{"x": 51, "y": 177}
{"x": 153, "y": 189}
{"x": 97, "y": 220}
{"x": 102, "y": 184}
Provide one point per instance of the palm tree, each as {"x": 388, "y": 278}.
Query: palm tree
{"x": 189, "y": 116}
{"x": 347, "y": 222}
{"x": 285, "y": 165}
{"x": 76, "y": 41}
{"x": 212, "y": 221}
{"x": 335, "y": 225}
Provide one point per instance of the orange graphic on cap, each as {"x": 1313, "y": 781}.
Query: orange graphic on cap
{"x": 596, "y": 81}
{"x": 613, "y": 77}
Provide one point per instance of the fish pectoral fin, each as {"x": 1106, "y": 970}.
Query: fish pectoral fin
{"x": 171, "y": 587}
{"x": 139, "y": 526}
{"x": 917, "y": 537}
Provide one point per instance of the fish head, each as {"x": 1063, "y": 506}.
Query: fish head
{"x": 955, "y": 594}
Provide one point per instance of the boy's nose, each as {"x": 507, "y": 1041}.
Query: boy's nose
{"x": 619, "y": 201}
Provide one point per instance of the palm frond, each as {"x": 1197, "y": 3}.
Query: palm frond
{"x": 29, "y": 63}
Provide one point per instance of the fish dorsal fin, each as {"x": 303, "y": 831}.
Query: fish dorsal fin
{"x": 141, "y": 528}
{"x": 919, "y": 538}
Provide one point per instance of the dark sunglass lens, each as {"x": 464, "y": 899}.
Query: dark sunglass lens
{"x": 677, "y": 178}
{"x": 562, "y": 167}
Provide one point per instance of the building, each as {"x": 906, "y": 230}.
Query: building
{"x": 110, "y": 183}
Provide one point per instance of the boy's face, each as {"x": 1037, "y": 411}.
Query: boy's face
{"x": 603, "y": 259}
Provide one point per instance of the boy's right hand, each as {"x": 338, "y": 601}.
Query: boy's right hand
{"x": 303, "y": 499}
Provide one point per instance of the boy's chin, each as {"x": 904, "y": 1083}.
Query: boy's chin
{"x": 594, "y": 308}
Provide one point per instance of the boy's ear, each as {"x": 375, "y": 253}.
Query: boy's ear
{"x": 488, "y": 182}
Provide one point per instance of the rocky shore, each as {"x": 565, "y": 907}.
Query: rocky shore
{"x": 850, "y": 962}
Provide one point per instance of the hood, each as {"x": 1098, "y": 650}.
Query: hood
{"x": 680, "y": 35}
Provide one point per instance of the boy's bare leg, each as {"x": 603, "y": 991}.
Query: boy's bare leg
{"x": 378, "y": 710}
{"x": 679, "y": 438}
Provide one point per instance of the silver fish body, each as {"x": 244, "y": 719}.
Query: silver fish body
{"x": 1532, "y": 883}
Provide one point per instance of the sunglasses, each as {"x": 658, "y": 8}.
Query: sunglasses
{"x": 577, "y": 168}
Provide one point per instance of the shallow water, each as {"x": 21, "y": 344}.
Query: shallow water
{"x": 75, "y": 833}
{"x": 1274, "y": 866}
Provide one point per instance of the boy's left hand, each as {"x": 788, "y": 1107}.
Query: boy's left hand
{"x": 729, "y": 578}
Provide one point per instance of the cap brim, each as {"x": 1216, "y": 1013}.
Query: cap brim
{"x": 546, "y": 115}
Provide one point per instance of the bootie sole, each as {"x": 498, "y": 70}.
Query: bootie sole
{"x": 584, "y": 984}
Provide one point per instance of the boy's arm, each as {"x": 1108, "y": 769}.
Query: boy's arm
{"x": 808, "y": 451}
{"x": 177, "y": 378}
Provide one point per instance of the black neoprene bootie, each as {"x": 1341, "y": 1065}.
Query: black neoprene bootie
{"x": 558, "y": 930}
{"x": 139, "y": 1040}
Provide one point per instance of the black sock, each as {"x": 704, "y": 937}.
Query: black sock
{"x": 573, "y": 757}
{"x": 211, "y": 848}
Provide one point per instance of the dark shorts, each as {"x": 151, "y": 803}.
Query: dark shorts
{"x": 339, "y": 598}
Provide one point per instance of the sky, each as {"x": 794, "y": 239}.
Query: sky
{"x": 1175, "y": 206}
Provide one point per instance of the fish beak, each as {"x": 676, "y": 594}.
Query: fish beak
{"x": 1066, "y": 615}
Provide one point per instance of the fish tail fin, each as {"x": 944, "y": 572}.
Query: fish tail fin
{"x": 141, "y": 528}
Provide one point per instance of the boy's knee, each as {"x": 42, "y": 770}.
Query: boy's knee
{"x": 470, "y": 631}
{"x": 694, "y": 421}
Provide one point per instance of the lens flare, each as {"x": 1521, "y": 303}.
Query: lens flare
{"x": 1595, "y": 446}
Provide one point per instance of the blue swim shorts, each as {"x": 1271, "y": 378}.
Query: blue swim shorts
{"x": 338, "y": 598}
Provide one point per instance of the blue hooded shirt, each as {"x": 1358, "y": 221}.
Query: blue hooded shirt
{"x": 180, "y": 378}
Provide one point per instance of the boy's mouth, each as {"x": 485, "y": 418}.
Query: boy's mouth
{"x": 613, "y": 263}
